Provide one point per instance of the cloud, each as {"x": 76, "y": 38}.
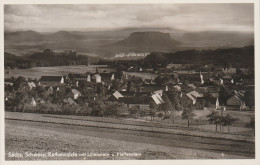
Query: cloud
{"x": 88, "y": 16}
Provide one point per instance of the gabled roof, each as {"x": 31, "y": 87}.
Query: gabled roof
{"x": 32, "y": 84}
{"x": 51, "y": 78}
{"x": 191, "y": 97}
{"x": 134, "y": 94}
{"x": 177, "y": 87}
{"x": 96, "y": 75}
{"x": 117, "y": 95}
{"x": 106, "y": 75}
{"x": 196, "y": 94}
{"x": 81, "y": 76}
{"x": 160, "y": 92}
{"x": 75, "y": 91}
{"x": 152, "y": 87}
{"x": 157, "y": 99}
{"x": 135, "y": 100}
{"x": 192, "y": 86}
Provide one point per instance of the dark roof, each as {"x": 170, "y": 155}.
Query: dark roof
{"x": 135, "y": 100}
{"x": 80, "y": 75}
{"x": 51, "y": 78}
{"x": 152, "y": 87}
{"x": 105, "y": 74}
{"x": 134, "y": 94}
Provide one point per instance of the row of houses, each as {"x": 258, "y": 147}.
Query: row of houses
{"x": 59, "y": 80}
{"x": 136, "y": 99}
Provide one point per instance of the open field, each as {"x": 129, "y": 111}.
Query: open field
{"x": 37, "y": 72}
{"x": 131, "y": 124}
{"x": 143, "y": 75}
{"x": 38, "y": 133}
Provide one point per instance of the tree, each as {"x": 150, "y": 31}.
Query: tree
{"x": 188, "y": 114}
{"x": 228, "y": 120}
{"x": 163, "y": 79}
{"x": 214, "y": 118}
{"x": 166, "y": 106}
{"x": 223, "y": 96}
{"x": 134, "y": 110}
{"x": 19, "y": 82}
{"x": 252, "y": 124}
{"x": 143, "y": 113}
{"x": 250, "y": 98}
{"x": 153, "y": 108}
{"x": 160, "y": 115}
{"x": 98, "y": 108}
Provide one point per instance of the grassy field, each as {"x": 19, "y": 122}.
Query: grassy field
{"x": 25, "y": 138}
{"x": 128, "y": 125}
{"x": 41, "y": 134}
{"x": 143, "y": 75}
{"x": 37, "y": 72}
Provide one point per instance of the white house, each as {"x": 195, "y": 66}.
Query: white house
{"x": 31, "y": 85}
{"x": 89, "y": 78}
{"x": 33, "y": 102}
{"x": 97, "y": 77}
{"x": 157, "y": 98}
{"x": 117, "y": 95}
{"x": 76, "y": 93}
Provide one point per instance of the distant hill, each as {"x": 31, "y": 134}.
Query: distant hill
{"x": 216, "y": 39}
{"x": 23, "y": 36}
{"x": 146, "y": 41}
{"x": 32, "y": 36}
{"x": 63, "y": 36}
{"x": 107, "y": 43}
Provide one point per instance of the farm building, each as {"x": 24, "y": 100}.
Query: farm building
{"x": 135, "y": 94}
{"x": 76, "y": 94}
{"x": 157, "y": 98}
{"x": 192, "y": 86}
{"x": 81, "y": 76}
{"x": 31, "y": 85}
{"x": 115, "y": 96}
{"x": 96, "y": 78}
{"x": 236, "y": 102}
{"x": 194, "y": 99}
{"x": 191, "y": 98}
{"x": 177, "y": 87}
{"x": 108, "y": 76}
{"x": 141, "y": 99}
{"x": 153, "y": 87}
{"x": 51, "y": 80}
{"x": 141, "y": 102}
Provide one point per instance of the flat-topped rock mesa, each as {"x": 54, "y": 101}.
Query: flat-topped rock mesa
{"x": 147, "y": 41}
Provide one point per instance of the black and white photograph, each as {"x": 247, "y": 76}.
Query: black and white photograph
{"x": 142, "y": 81}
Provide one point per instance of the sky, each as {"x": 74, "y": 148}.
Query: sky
{"x": 85, "y": 17}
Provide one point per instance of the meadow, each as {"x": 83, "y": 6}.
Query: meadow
{"x": 39, "y": 133}
{"x": 37, "y": 72}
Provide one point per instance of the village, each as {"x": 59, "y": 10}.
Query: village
{"x": 177, "y": 93}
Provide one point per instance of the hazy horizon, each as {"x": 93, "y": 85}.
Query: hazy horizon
{"x": 104, "y": 17}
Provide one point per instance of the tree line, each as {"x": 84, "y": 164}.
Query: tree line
{"x": 45, "y": 58}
